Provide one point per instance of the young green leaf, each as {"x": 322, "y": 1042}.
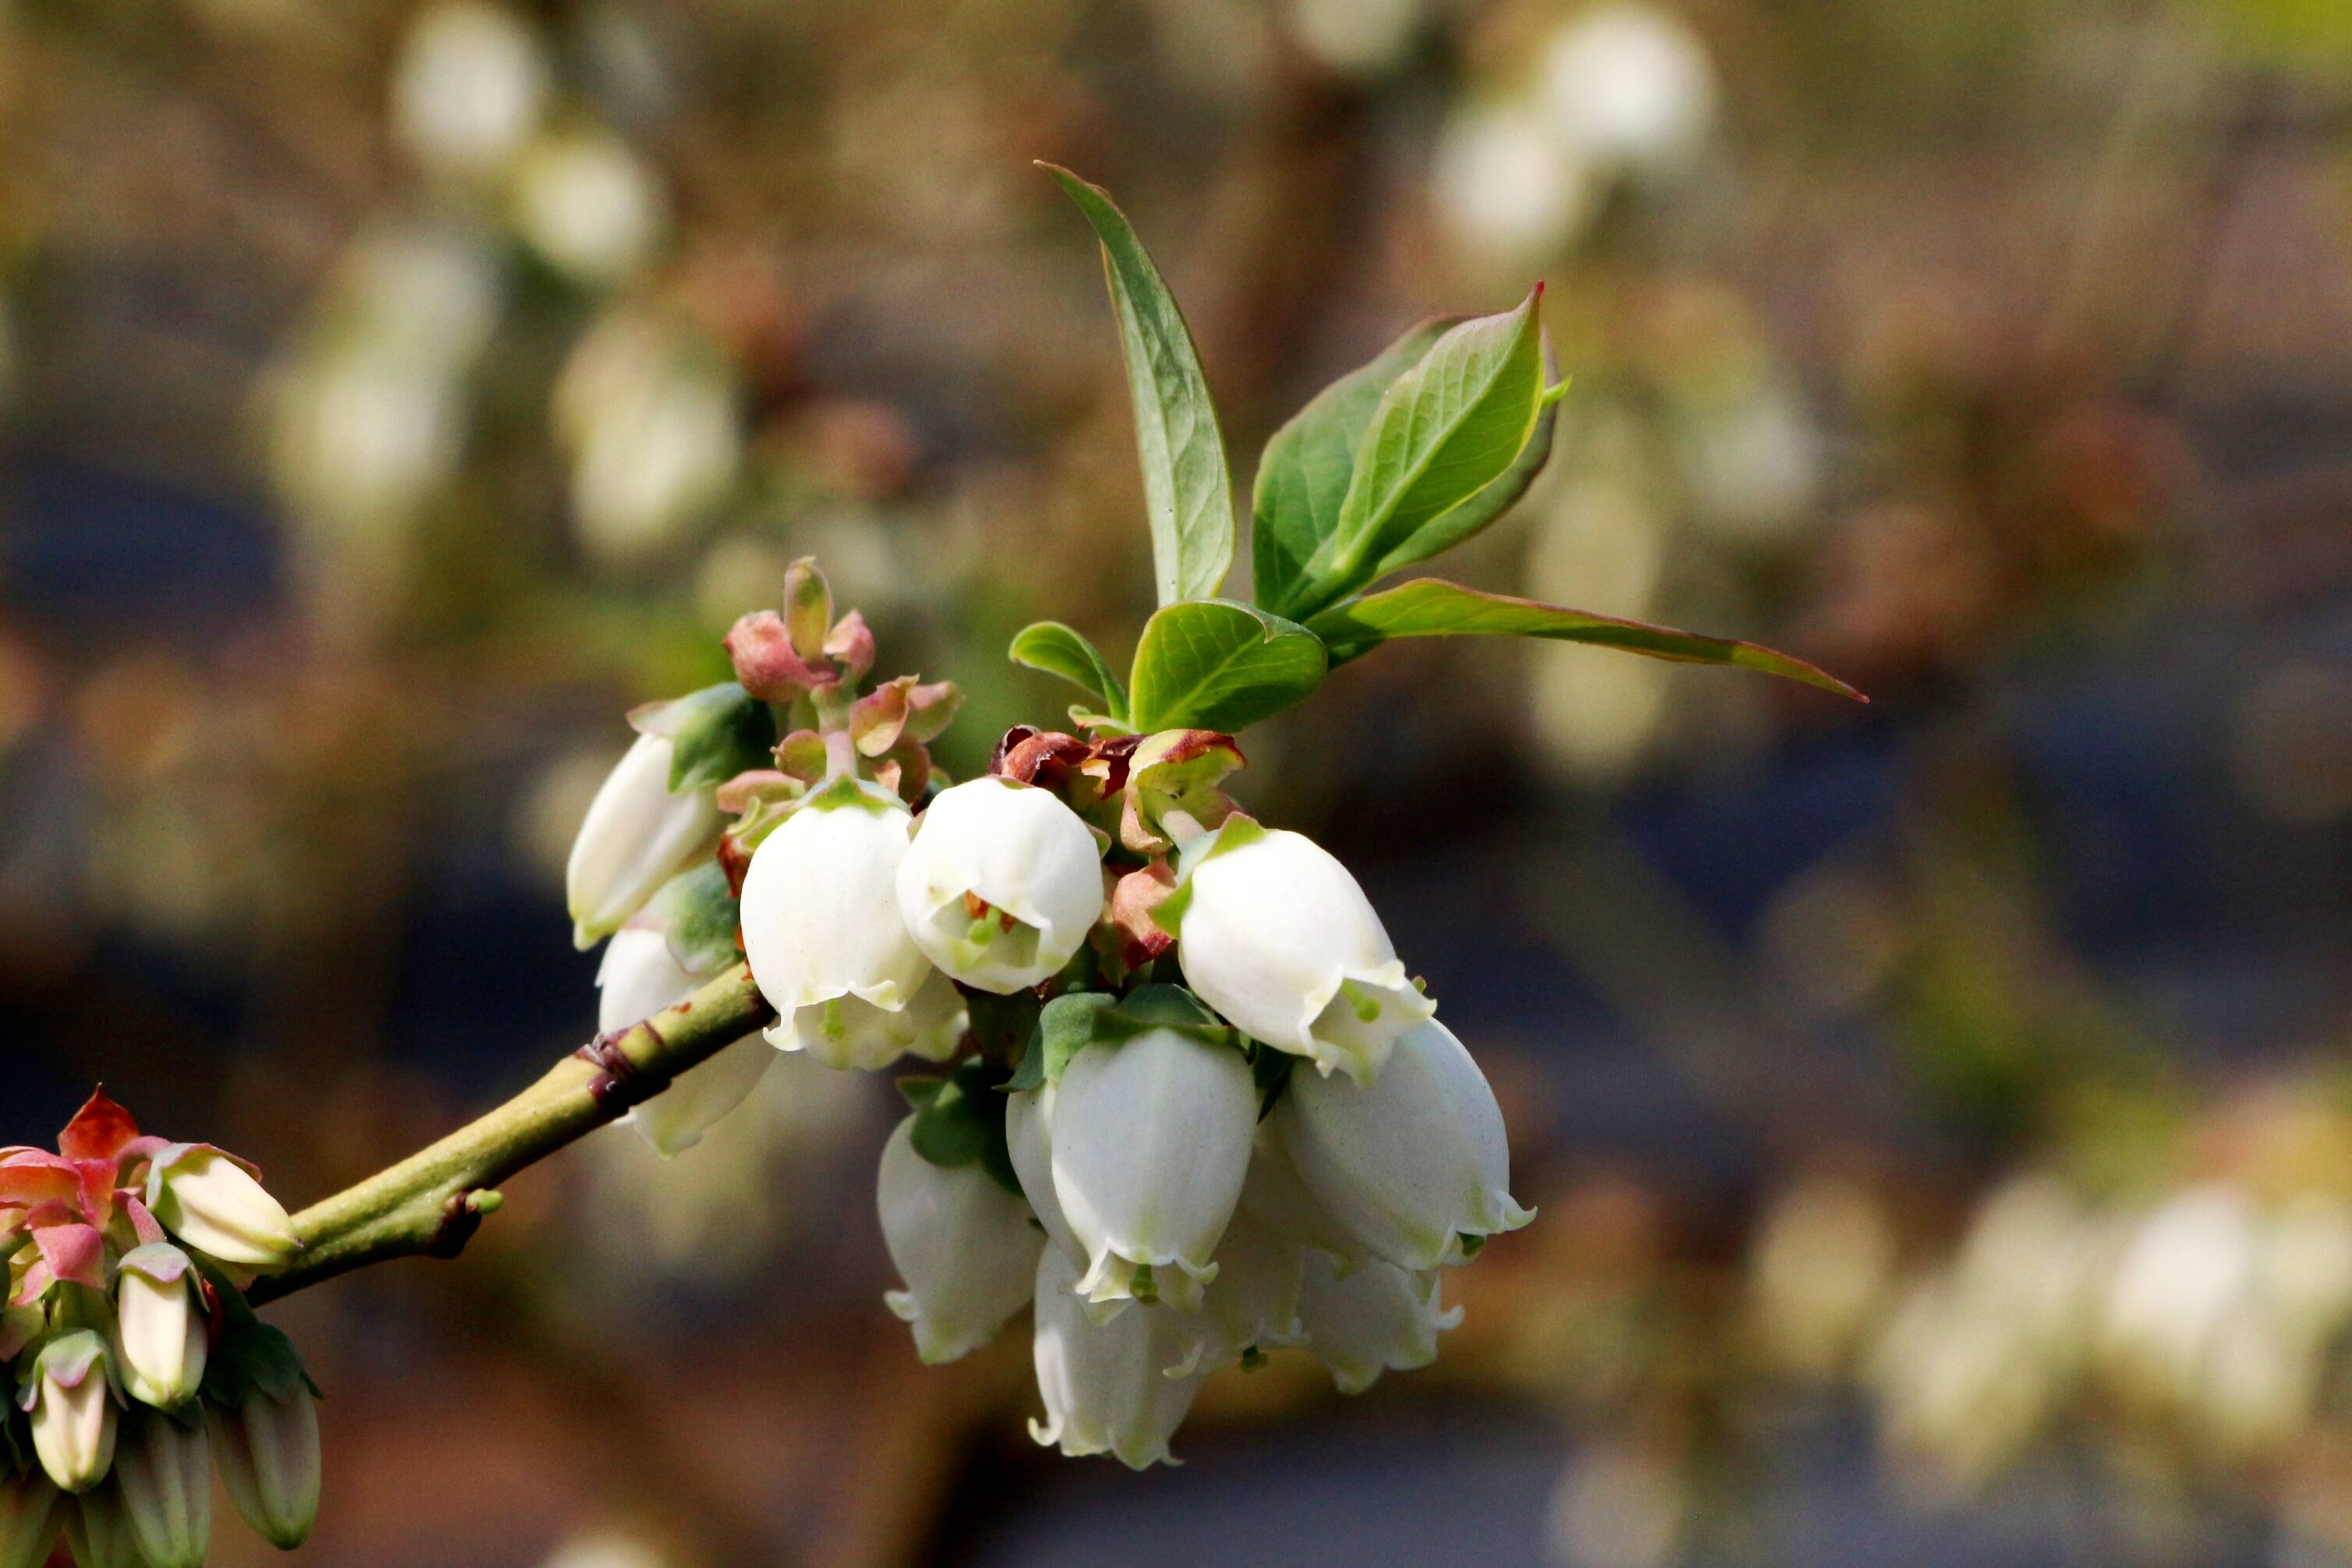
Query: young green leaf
{"x": 1302, "y": 477}
{"x": 1443, "y": 432}
{"x": 1483, "y": 508}
{"x": 1213, "y": 664}
{"x": 1060, "y": 650}
{"x": 1186, "y": 489}
{"x": 1427, "y": 607}
{"x": 717, "y": 733}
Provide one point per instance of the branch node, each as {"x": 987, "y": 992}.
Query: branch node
{"x": 620, "y": 1082}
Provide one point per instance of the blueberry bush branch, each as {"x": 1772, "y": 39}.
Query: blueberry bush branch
{"x": 1182, "y": 1098}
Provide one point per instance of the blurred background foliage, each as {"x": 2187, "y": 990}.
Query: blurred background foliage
{"x": 1938, "y": 1110}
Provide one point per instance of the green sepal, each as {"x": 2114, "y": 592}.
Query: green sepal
{"x": 16, "y": 1443}
{"x": 1001, "y": 1025}
{"x": 959, "y": 1119}
{"x": 1063, "y": 651}
{"x": 1270, "y": 1070}
{"x": 254, "y": 1357}
{"x": 715, "y": 734}
{"x": 1068, "y": 1024}
{"x": 85, "y": 1344}
{"x": 846, "y": 792}
{"x": 697, "y": 912}
{"x": 1234, "y": 831}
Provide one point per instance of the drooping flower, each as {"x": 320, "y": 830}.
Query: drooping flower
{"x": 1411, "y": 1163}
{"x": 1277, "y": 1196}
{"x": 1254, "y": 1300}
{"x": 267, "y": 1450}
{"x": 72, "y": 1410}
{"x": 821, "y": 929}
{"x": 159, "y": 1339}
{"x": 1273, "y": 934}
{"x": 639, "y": 976}
{"x": 28, "y": 1524}
{"x": 1376, "y": 1318}
{"x": 1106, "y": 1386}
{"x": 213, "y": 1203}
{"x": 164, "y": 1474}
{"x": 1001, "y": 884}
{"x": 636, "y": 837}
{"x": 1028, "y": 1135}
{"x": 962, "y": 1243}
{"x": 1150, "y": 1141}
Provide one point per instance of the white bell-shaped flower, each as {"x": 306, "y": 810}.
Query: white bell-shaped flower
{"x": 28, "y": 1525}
{"x": 640, "y": 977}
{"x": 636, "y": 837}
{"x": 1277, "y": 1197}
{"x": 72, "y": 1410}
{"x": 1374, "y": 1319}
{"x": 1411, "y": 1163}
{"x": 1276, "y": 935}
{"x": 1001, "y": 884}
{"x": 159, "y": 1340}
{"x": 1151, "y": 1139}
{"x": 1029, "y": 1134}
{"x": 164, "y": 1472}
{"x": 821, "y": 928}
{"x": 1254, "y": 1300}
{"x": 215, "y": 1206}
{"x": 963, "y": 1244}
{"x": 1106, "y": 1386}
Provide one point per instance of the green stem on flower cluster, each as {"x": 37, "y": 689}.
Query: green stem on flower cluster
{"x": 431, "y": 1203}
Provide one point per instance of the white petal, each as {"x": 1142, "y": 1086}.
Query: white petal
{"x": 1104, "y": 1384}
{"x": 964, "y": 1246}
{"x": 820, "y": 911}
{"x": 1151, "y": 1139}
{"x": 1411, "y": 1163}
{"x": 846, "y": 1032}
{"x": 1375, "y": 1318}
{"x": 1023, "y": 851}
{"x": 1280, "y": 939}
{"x": 636, "y": 836}
{"x": 1028, "y": 1133}
{"x": 1278, "y": 1197}
{"x": 639, "y": 977}
{"x": 1254, "y": 1300}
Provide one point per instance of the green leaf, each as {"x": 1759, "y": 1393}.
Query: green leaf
{"x": 1302, "y": 477}
{"x": 1186, "y": 489}
{"x": 1213, "y": 664}
{"x": 697, "y": 911}
{"x": 1499, "y": 495}
{"x": 1441, "y": 433}
{"x": 1060, "y": 650}
{"x": 715, "y": 734}
{"x": 1428, "y": 607}
{"x": 959, "y": 1119}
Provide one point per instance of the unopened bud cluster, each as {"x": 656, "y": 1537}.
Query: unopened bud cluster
{"x": 134, "y": 1364}
{"x": 1190, "y": 1106}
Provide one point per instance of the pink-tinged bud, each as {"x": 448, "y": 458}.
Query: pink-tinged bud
{"x": 29, "y": 1522}
{"x": 267, "y": 1450}
{"x": 164, "y": 1475}
{"x": 159, "y": 1341}
{"x": 73, "y": 1409}
{"x": 767, "y": 665}
{"x": 213, "y": 1204}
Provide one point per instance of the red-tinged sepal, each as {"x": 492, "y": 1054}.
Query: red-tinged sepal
{"x": 99, "y": 1131}
{"x": 766, "y": 664}
{"x": 73, "y": 1252}
{"x": 1133, "y": 897}
{"x": 1171, "y": 795}
{"x": 850, "y": 645}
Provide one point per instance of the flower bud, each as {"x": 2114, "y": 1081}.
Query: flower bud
{"x": 98, "y": 1530}
{"x": 1253, "y": 1299}
{"x": 164, "y": 1474}
{"x": 821, "y": 930}
{"x": 1376, "y": 1318}
{"x": 639, "y": 977}
{"x": 1028, "y": 1136}
{"x": 636, "y": 836}
{"x": 72, "y": 1407}
{"x": 1001, "y": 883}
{"x": 267, "y": 1450}
{"x": 1104, "y": 1384}
{"x": 962, "y": 1243}
{"x": 1151, "y": 1139}
{"x": 29, "y": 1522}
{"x": 1275, "y": 935}
{"x": 1413, "y": 1163}
{"x": 159, "y": 1339}
{"x": 213, "y": 1204}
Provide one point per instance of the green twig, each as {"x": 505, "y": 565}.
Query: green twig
{"x": 432, "y": 1202}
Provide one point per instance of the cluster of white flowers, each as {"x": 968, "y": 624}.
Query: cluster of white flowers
{"x": 134, "y": 1363}
{"x": 1119, "y": 991}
